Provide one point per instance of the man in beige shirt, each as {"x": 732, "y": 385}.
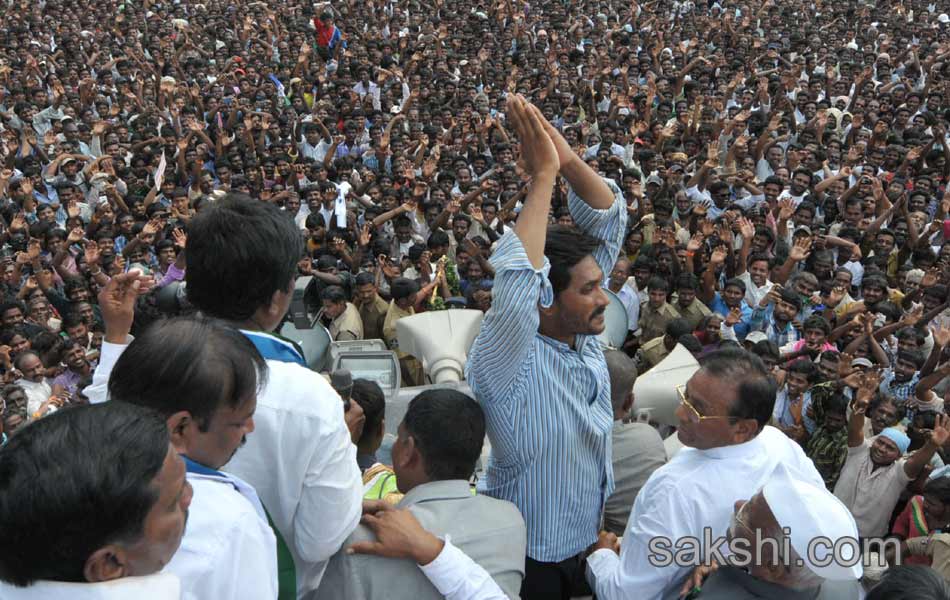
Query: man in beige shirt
{"x": 875, "y": 473}
{"x": 687, "y": 304}
{"x": 936, "y": 546}
{"x": 372, "y": 308}
{"x": 656, "y": 312}
{"x": 344, "y": 319}
{"x": 405, "y": 293}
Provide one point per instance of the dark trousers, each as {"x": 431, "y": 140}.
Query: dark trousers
{"x": 553, "y": 581}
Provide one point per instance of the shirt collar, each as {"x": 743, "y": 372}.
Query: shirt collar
{"x": 448, "y": 489}
{"x": 753, "y": 446}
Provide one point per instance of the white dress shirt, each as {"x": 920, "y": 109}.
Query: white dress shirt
{"x": 458, "y": 577}
{"x": 229, "y": 550}
{"x": 37, "y": 392}
{"x": 300, "y": 459}
{"x": 630, "y": 297}
{"x": 161, "y": 586}
{"x": 696, "y": 490}
{"x": 302, "y": 463}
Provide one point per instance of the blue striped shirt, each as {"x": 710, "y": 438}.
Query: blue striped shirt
{"x": 547, "y": 406}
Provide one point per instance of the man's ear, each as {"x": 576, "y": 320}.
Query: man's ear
{"x": 105, "y": 564}
{"x": 182, "y": 428}
{"x": 628, "y": 403}
{"x": 271, "y": 313}
{"x": 410, "y": 457}
{"x": 746, "y": 429}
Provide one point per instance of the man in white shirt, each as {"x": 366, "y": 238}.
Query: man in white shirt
{"x": 93, "y": 502}
{"x": 33, "y": 381}
{"x": 756, "y": 279}
{"x": 301, "y": 459}
{"x": 621, "y": 283}
{"x": 730, "y": 454}
{"x": 207, "y": 393}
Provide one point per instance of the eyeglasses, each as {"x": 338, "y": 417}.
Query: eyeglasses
{"x": 695, "y": 416}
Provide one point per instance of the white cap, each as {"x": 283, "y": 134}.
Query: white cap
{"x": 943, "y": 18}
{"x": 811, "y": 512}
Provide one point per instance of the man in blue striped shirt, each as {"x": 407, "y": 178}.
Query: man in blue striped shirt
{"x": 537, "y": 367}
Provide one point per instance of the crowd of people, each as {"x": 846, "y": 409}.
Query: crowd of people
{"x": 760, "y": 185}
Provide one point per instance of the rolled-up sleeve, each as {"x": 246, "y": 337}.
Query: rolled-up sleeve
{"x": 98, "y": 390}
{"x": 510, "y": 327}
{"x": 659, "y": 518}
{"x": 607, "y": 225}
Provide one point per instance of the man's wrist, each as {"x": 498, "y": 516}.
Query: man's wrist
{"x": 117, "y": 335}
{"x": 427, "y": 549}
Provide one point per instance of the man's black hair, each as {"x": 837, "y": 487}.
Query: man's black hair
{"x": 12, "y": 304}
{"x": 658, "y": 283}
{"x": 565, "y": 247}
{"x": 334, "y": 294}
{"x": 73, "y": 482}
{"x": 806, "y": 368}
{"x": 449, "y": 429}
{"x": 203, "y": 366}
{"x": 371, "y": 399}
{"x": 365, "y": 278}
{"x": 755, "y": 389}
{"x": 939, "y": 489}
{"x": 686, "y": 281}
{"x": 914, "y": 357}
{"x": 240, "y": 252}
{"x": 817, "y": 322}
{"x": 911, "y": 582}
{"x": 677, "y": 328}
{"x": 735, "y": 282}
{"x": 438, "y": 238}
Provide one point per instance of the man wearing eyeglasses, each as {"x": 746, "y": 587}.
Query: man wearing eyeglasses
{"x": 730, "y": 454}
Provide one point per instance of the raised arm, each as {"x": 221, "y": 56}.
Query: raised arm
{"x": 859, "y": 407}
{"x": 938, "y": 438}
{"x": 541, "y": 159}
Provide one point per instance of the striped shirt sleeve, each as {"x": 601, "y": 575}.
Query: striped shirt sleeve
{"x": 608, "y": 225}
{"x": 510, "y": 327}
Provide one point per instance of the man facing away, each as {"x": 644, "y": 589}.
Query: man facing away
{"x": 637, "y": 448}
{"x": 730, "y": 454}
{"x": 93, "y": 504}
{"x": 301, "y": 459}
{"x": 440, "y": 439}
{"x": 537, "y": 368}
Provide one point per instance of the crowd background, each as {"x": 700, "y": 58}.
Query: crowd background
{"x": 783, "y": 166}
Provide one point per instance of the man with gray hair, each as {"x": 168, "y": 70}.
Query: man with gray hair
{"x": 637, "y": 447}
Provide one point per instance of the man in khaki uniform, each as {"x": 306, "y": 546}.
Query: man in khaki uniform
{"x": 654, "y": 351}
{"x": 372, "y": 308}
{"x": 686, "y": 304}
{"x": 404, "y": 292}
{"x": 656, "y": 312}
{"x": 345, "y": 323}
{"x": 936, "y": 546}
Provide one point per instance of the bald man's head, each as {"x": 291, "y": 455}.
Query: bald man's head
{"x": 623, "y": 373}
